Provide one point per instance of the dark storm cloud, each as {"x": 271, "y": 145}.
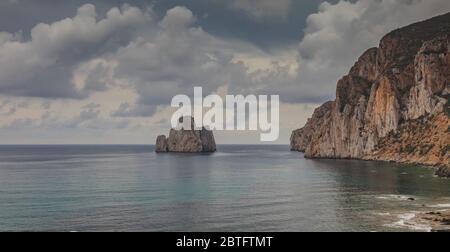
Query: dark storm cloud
{"x": 172, "y": 61}
{"x": 168, "y": 49}
{"x": 192, "y": 54}
{"x": 266, "y": 23}
{"x": 39, "y": 60}
{"x": 249, "y": 20}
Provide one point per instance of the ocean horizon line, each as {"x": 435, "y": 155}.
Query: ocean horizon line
{"x": 6, "y": 145}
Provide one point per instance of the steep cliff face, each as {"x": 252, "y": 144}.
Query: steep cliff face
{"x": 186, "y": 141}
{"x": 395, "y": 96}
{"x": 301, "y": 138}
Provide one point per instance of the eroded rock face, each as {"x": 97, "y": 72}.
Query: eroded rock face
{"x": 187, "y": 141}
{"x": 161, "y": 144}
{"x": 432, "y": 77}
{"x": 301, "y": 138}
{"x": 387, "y": 91}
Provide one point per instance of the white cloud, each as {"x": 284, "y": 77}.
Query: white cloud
{"x": 177, "y": 19}
{"x": 339, "y": 33}
{"x": 177, "y": 56}
{"x": 43, "y": 66}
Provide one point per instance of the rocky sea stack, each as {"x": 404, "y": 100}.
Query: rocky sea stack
{"x": 393, "y": 105}
{"x": 186, "y": 141}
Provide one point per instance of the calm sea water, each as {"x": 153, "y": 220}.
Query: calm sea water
{"x": 239, "y": 188}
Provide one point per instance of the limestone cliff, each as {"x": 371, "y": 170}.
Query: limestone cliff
{"x": 186, "y": 141}
{"x": 393, "y": 105}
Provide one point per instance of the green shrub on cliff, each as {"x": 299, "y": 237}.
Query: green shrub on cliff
{"x": 445, "y": 150}
{"x": 408, "y": 149}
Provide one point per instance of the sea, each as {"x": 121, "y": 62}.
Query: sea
{"x": 245, "y": 188}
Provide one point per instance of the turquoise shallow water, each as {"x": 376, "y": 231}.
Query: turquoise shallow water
{"x": 239, "y": 188}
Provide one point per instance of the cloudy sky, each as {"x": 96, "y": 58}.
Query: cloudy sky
{"x": 104, "y": 72}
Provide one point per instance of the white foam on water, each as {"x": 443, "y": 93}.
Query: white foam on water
{"x": 406, "y": 220}
{"x": 440, "y": 206}
{"x": 394, "y": 197}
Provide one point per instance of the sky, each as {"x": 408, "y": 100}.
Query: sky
{"x": 105, "y": 71}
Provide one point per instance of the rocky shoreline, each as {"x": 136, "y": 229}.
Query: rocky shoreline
{"x": 428, "y": 221}
{"x": 439, "y": 221}
{"x": 443, "y": 172}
